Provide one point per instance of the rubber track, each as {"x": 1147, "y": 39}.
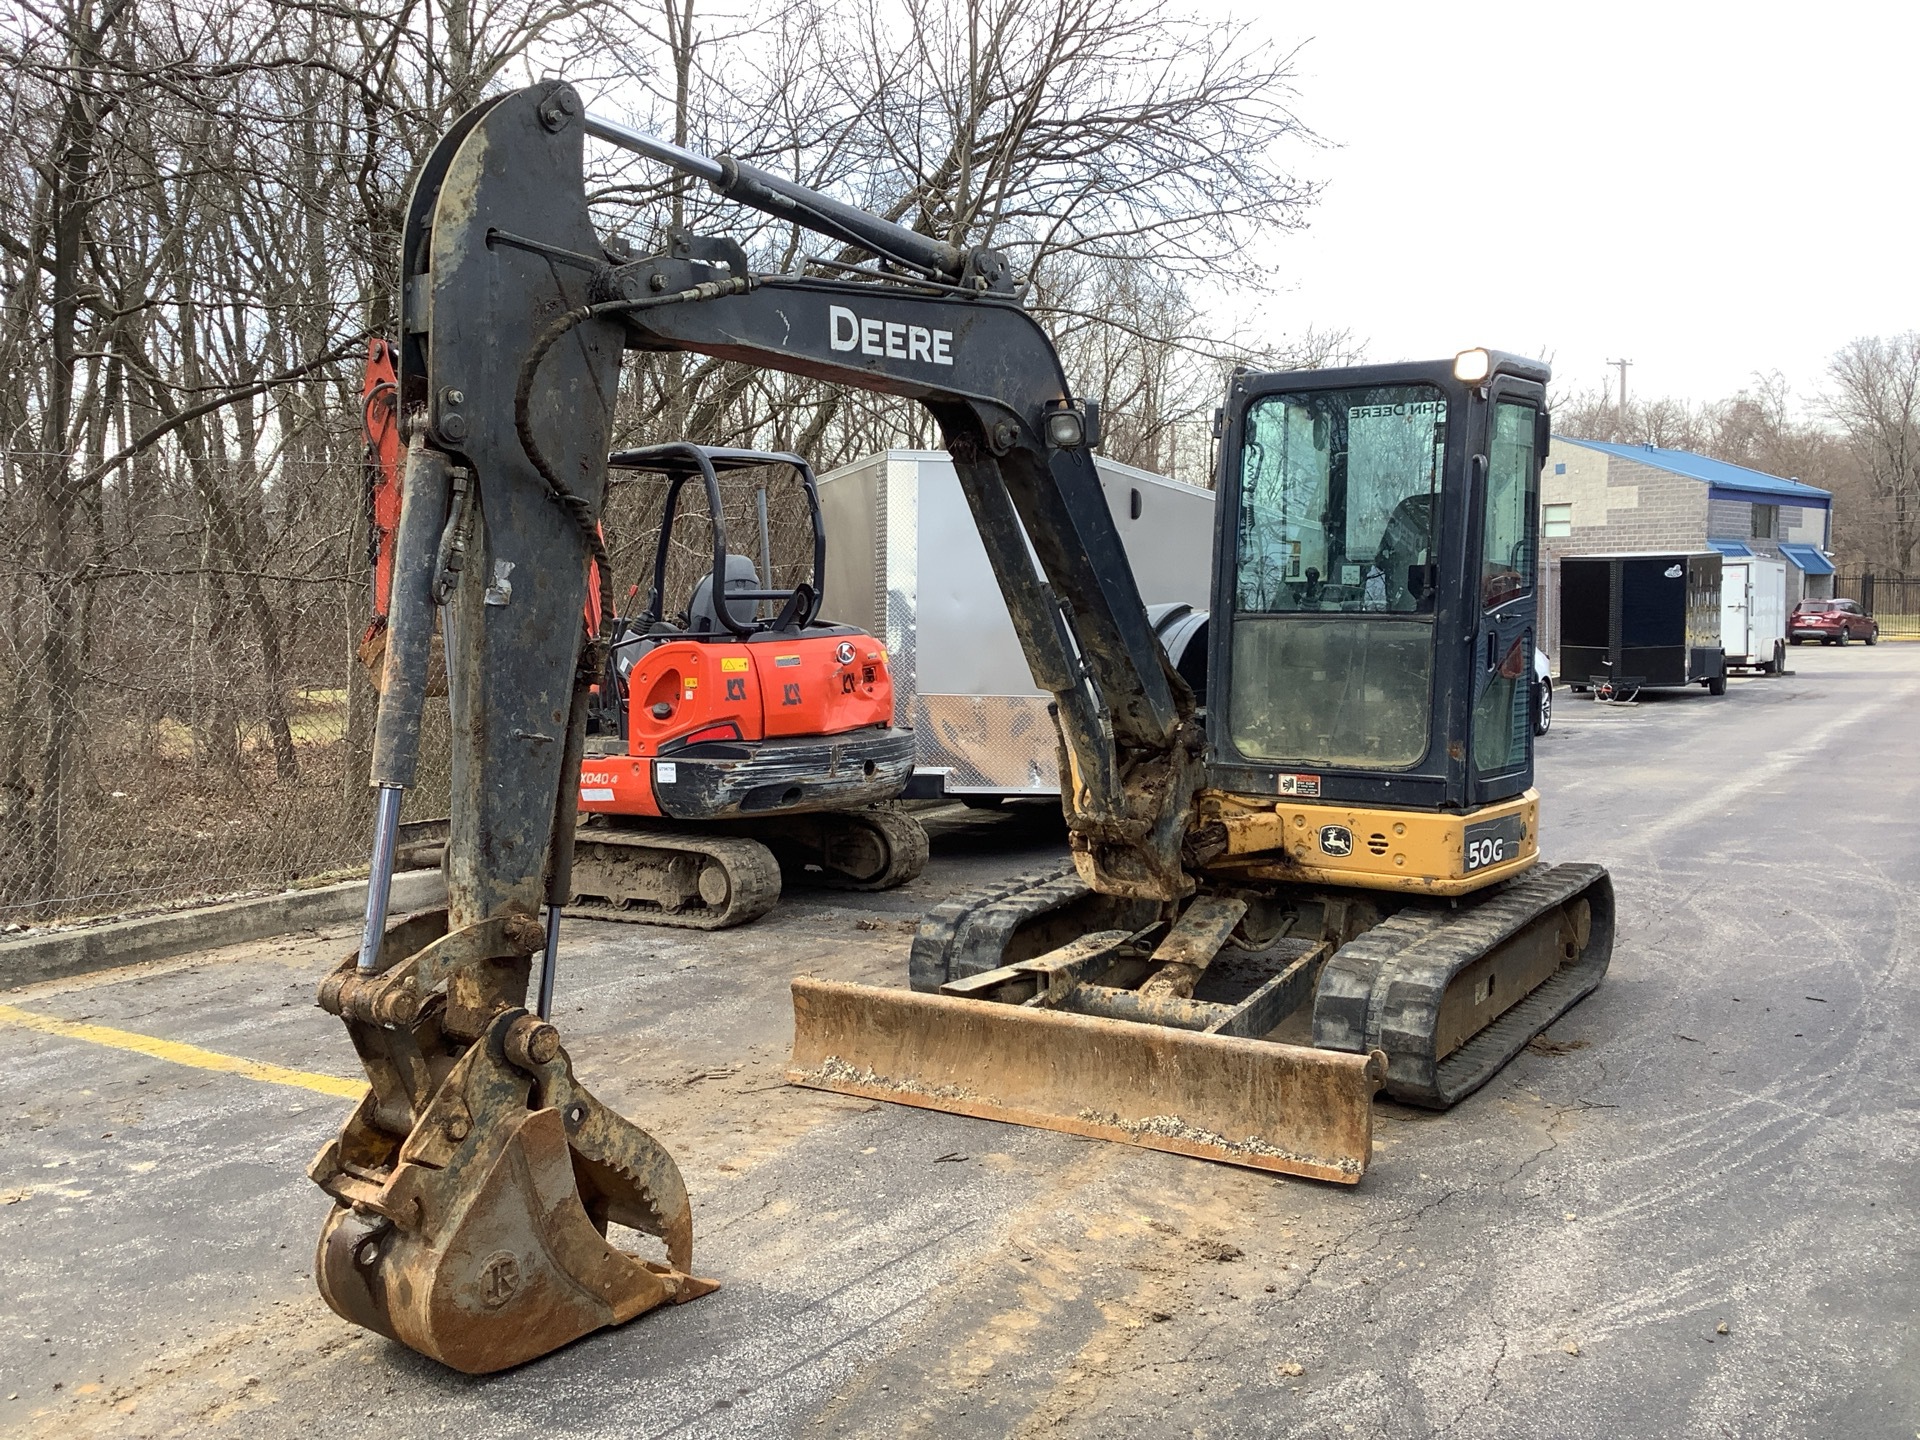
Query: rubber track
{"x": 906, "y": 843}
{"x": 1383, "y": 990}
{"x": 970, "y": 933}
{"x": 753, "y": 877}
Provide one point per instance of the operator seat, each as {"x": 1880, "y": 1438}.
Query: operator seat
{"x": 1402, "y": 556}
{"x": 703, "y": 617}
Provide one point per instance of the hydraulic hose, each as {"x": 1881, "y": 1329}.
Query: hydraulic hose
{"x": 578, "y": 510}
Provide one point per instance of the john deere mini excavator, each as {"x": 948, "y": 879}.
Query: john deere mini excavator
{"x": 1351, "y": 811}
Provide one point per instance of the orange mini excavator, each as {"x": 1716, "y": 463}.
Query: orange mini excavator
{"x": 739, "y": 737}
{"x": 727, "y": 747}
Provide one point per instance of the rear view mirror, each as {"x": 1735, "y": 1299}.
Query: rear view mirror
{"x": 1542, "y": 435}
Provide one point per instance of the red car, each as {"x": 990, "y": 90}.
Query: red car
{"x": 1831, "y": 622}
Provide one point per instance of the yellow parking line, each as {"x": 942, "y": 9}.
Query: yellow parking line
{"x": 180, "y": 1054}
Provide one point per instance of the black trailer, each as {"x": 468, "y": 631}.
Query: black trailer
{"x": 1633, "y": 621}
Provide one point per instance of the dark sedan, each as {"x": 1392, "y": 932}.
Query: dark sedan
{"x": 1831, "y": 622}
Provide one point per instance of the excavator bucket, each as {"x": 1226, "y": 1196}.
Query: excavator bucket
{"x": 1269, "y": 1106}
{"x": 472, "y": 1206}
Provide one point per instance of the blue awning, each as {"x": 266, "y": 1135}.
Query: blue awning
{"x": 1808, "y": 558}
{"x": 1732, "y": 549}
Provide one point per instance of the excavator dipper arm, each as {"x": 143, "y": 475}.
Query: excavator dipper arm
{"x": 474, "y": 1184}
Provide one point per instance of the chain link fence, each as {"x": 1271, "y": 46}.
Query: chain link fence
{"x": 182, "y": 718}
{"x": 183, "y": 724}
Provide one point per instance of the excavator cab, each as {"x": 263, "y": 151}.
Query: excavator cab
{"x": 1373, "y": 620}
{"x": 728, "y": 599}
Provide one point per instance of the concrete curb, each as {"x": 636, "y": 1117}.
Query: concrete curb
{"x": 156, "y": 937}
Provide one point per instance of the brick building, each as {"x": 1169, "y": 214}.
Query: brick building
{"x": 1598, "y": 498}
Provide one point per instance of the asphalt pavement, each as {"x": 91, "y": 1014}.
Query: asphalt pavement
{"x": 1687, "y": 1211}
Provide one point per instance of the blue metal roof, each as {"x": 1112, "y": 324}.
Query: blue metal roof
{"x": 1730, "y": 482}
{"x": 1808, "y": 558}
{"x": 1732, "y": 549}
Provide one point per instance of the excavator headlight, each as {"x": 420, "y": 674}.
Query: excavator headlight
{"x": 1470, "y": 367}
{"x": 1066, "y": 429}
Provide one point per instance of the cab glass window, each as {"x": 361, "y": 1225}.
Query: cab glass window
{"x": 1502, "y": 717}
{"x": 1506, "y": 554}
{"x": 1337, "y": 500}
{"x": 1336, "y": 576}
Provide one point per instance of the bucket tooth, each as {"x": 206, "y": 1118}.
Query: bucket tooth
{"x": 1268, "y": 1106}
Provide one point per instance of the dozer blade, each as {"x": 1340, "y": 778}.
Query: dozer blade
{"x": 480, "y": 1238}
{"x": 1256, "y": 1103}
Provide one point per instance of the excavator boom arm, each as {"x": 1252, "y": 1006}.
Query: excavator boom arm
{"x": 989, "y": 375}
{"x": 961, "y": 345}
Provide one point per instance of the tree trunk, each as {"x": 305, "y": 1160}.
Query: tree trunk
{"x": 69, "y": 204}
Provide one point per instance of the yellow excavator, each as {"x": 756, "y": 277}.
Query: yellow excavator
{"x": 1304, "y": 847}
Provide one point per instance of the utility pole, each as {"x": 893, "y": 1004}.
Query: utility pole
{"x": 1623, "y": 364}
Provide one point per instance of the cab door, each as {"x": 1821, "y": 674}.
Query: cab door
{"x": 1506, "y": 524}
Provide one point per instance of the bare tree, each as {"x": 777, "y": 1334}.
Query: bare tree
{"x": 1876, "y": 401}
{"x": 1117, "y": 149}
{"x": 200, "y": 207}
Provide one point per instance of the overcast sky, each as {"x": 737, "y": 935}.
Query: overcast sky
{"x": 1705, "y": 189}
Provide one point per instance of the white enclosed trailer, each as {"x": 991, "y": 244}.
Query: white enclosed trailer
{"x": 904, "y": 561}
{"x": 1753, "y": 612}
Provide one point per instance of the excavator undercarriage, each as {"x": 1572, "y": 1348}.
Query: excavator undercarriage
{"x": 1345, "y": 994}
{"x": 651, "y": 874}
